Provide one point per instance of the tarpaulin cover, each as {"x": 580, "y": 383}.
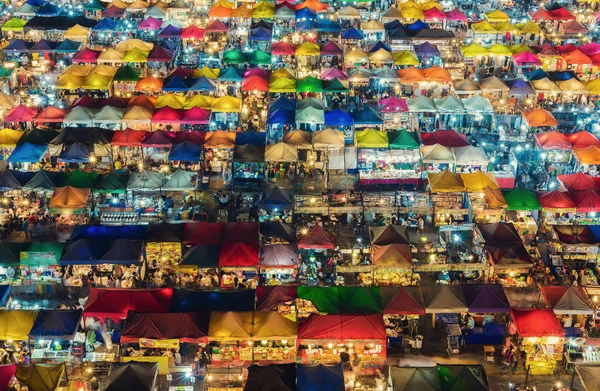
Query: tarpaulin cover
{"x": 319, "y": 377}
{"x": 338, "y": 117}
{"x": 402, "y": 300}
{"x": 445, "y": 182}
{"x": 390, "y": 234}
{"x": 589, "y": 374}
{"x": 536, "y": 323}
{"x": 462, "y": 377}
{"x": 499, "y": 232}
{"x": 577, "y": 182}
{"x": 40, "y": 377}
{"x": 165, "y": 232}
{"x": 552, "y": 141}
{"x": 485, "y": 298}
{"x": 556, "y": 199}
{"x": 586, "y": 200}
{"x": 131, "y": 376}
{"x": 202, "y": 233}
{"x": 392, "y": 256}
{"x": 325, "y": 299}
{"x": 273, "y": 377}
{"x": 92, "y": 252}
{"x": 230, "y": 326}
{"x": 253, "y": 138}
{"x": 240, "y": 232}
{"x": 267, "y": 297}
{"x": 343, "y": 328}
{"x": 114, "y": 303}
{"x": 279, "y": 255}
{"x": 191, "y": 327}
{"x": 199, "y": 301}
{"x": 109, "y": 232}
{"x": 344, "y": 300}
{"x": 575, "y": 234}
{"x": 524, "y": 297}
{"x": 238, "y": 255}
{"x": 521, "y": 199}
{"x": 56, "y": 324}
{"x": 273, "y": 325}
{"x": 16, "y": 324}
{"x": 316, "y": 238}
{"x": 587, "y": 155}
{"x": 444, "y": 299}
{"x": 69, "y": 198}
{"x": 145, "y": 180}
{"x": 568, "y": 300}
{"x": 185, "y": 151}
{"x": 27, "y": 153}
{"x": 447, "y": 138}
{"x": 509, "y": 255}
{"x": 409, "y": 379}
{"x": 204, "y": 256}
{"x": 278, "y": 230}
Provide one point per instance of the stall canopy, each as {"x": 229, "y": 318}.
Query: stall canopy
{"x": 444, "y": 299}
{"x": 536, "y": 323}
{"x": 589, "y": 376}
{"x": 343, "y": 300}
{"x": 342, "y": 328}
{"x": 499, "y": 233}
{"x": 408, "y": 379}
{"x": 521, "y": 199}
{"x": 482, "y": 298}
{"x": 7, "y": 372}
{"x": 200, "y": 301}
{"x": 189, "y": 327}
{"x": 16, "y": 324}
{"x": 204, "y": 256}
{"x": 389, "y": 234}
{"x": 131, "y": 376}
{"x": 267, "y": 297}
{"x": 273, "y": 377}
{"x": 279, "y": 255}
{"x": 56, "y": 324}
{"x": 462, "y": 377}
{"x": 114, "y": 303}
{"x": 230, "y": 326}
{"x": 317, "y": 377}
{"x": 40, "y": 377}
{"x": 568, "y": 300}
{"x": 316, "y": 238}
{"x": 276, "y": 198}
{"x": 402, "y": 300}
{"x": 278, "y": 230}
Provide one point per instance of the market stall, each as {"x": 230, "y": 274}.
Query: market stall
{"x": 447, "y": 197}
{"x": 52, "y": 336}
{"x": 278, "y": 264}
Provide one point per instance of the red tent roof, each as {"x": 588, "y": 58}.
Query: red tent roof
{"x": 21, "y": 113}
{"x": 186, "y": 327}
{"x": 434, "y": 14}
{"x": 568, "y": 48}
{"x": 114, "y": 303}
{"x": 238, "y": 255}
{"x": 267, "y": 297}
{"x": 402, "y": 300}
{"x": 86, "y": 55}
{"x": 87, "y": 101}
{"x": 342, "y": 328}
{"x": 582, "y": 139}
{"x": 202, "y": 233}
{"x": 316, "y": 238}
{"x": 240, "y": 232}
{"x": 553, "y": 141}
{"x": 576, "y": 57}
{"x": 575, "y": 234}
{"x": 128, "y": 138}
{"x": 193, "y": 32}
{"x": 541, "y": 14}
{"x": 561, "y": 14}
{"x": 158, "y": 139}
{"x": 216, "y": 26}
{"x": 590, "y": 48}
{"x": 556, "y": 200}
{"x": 447, "y": 138}
{"x": 196, "y": 115}
{"x": 191, "y": 136}
{"x": 255, "y": 83}
{"x": 167, "y": 115}
{"x": 567, "y": 299}
{"x": 50, "y": 114}
{"x": 284, "y": 49}
{"x": 587, "y": 200}
{"x": 456, "y": 15}
{"x": 577, "y": 182}
{"x": 536, "y": 323}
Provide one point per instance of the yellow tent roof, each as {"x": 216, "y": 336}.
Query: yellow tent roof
{"x": 431, "y": 4}
{"x": 572, "y": 85}
{"x": 506, "y": 27}
{"x": 136, "y": 55}
{"x": 78, "y": 70}
{"x": 104, "y": 70}
{"x": 170, "y": 100}
{"x": 223, "y": 3}
{"x": 372, "y": 25}
{"x": 232, "y": 326}
{"x": 520, "y": 48}
{"x": 500, "y": 50}
{"x": 208, "y": 72}
{"x": 408, "y": 4}
{"x": 544, "y": 85}
{"x": 97, "y": 82}
{"x": 473, "y": 50}
{"x": 405, "y": 58}
{"x": 356, "y": 55}
{"x": 497, "y": 16}
{"x": 282, "y": 84}
{"x": 120, "y": 4}
{"x": 308, "y": 48}
{"x": 137, "y": 114}
{"x": 110, "y": 55}
{"x": 264, "y": 10}
{"x": 14, "y": 24}
{"x": 69, "y": 198}
{"x": 282, "y": 72}
{"x": 9, "y": 137}
{"x": 412, "y": 13}
{"x": 227, "y": 104}
{"x": 594, "y": 86}
{"x": 483, "y": 27}
{"x": 371, "y": 138}
{"x": 69, "y": 81}
{"x": 202, "y": 101}
{"x": 7, "y": 101}
{"x": 529, "y": 27}
{"x": 138, "y": 5}
{"x": 273, "y": 325}
{"x": 16, "y": 324}
{"x": 244, "y": 11}
{"x": 133, "y": 43}
{"x": 477, "y": 181}
{"x": 381, "y": 56}
{"x": 445, "y": 182}
{"x": 77, "y": 31}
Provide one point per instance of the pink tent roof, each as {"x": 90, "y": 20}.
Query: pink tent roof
{"x": 552, "y": 141}
{"x": 284, "y": 49}
{"x": 150, "y": 23}
{"x": 256, "y": 71}
{"x": 21, "y": 113}
{"x": 393, "y": 104}
{"x": 568, "y": 48}
{"x": 86, "y": 55}
{"x": 590, "y": 49}
{"x": 331, "y": 49}
{"x": 216, "y": 26}
{"x": 166, "y": 114}
{"x": 113, "y": 12}
{"x": 526, "y": 58}
{"x": 193, "y": 32}
{"x": 434, "y": 14}
{"x": 541, "y": 14}
{"x": 160, "y": 54}
{"x": 456, "y": 15}
{"x": 332, "y": 73}
{"x": 196, "y": 115}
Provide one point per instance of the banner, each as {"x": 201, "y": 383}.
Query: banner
{"x": 159, "y": 343}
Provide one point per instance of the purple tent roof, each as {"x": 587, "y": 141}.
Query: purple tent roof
{"x": 485, "y": 298}
{"x": 170, "y": 32}
{"x": 160, "y": 54}
{"x": 256, "y": 71}
{"x": 426, "y": 49}
{"x": 150, "y": 23}
{"x": 113, "y": 12}
{"x": 332, "y": 73}
{"x": 331, "y": 49}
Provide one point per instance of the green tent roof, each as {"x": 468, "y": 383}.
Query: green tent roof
{"x": 325, "y": 299}
{"x": 336, "y": 85}
{"x": 112, "y": 183}
{"x": 5, "y": 72}
{"x": 343, "y": 300}
{"x": 127, "y": 73}
{"x": 94, "y": 5}
{"x": 259, "y": 57}
{"x": 10, "y": 253}
{"x": 403, "y": 140}
{"x": 14, "y": 24}
{"x": 233, "y": 56}
{"x": 81, "y": 180}
{"x": 521, "y": 199}
{"x": 32, "y": 259}
{"x": 309, "y": 84}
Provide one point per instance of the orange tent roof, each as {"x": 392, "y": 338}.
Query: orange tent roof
{"x": 587, "y": 155}
{"x": 314, "y": 5}
{"x": 50, "y": 114}
{"x": 552, "y": 141}
{"x": 69, "y": 198}
{"x": 219, "y": 11}
{"x": 220, "y": 139}
{"x": 540, "y": 117}
{"x": 576, "y": 57}
{"x": 149, "y": 83}
{"x": 437, "y": 74}
{"x": 147, "y": 102}
{"x": 244, "y": 11}
{"x": 582, "y": 139}
{"x": 411, "y": 75}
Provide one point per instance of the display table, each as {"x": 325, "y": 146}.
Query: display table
{"x": 390, "y": 181}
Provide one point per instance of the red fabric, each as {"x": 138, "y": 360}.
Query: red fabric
{"x": 343, "y": 328}
{"x": 21, "y": 113}
{"x": 158, "y": 139}
{"x": 167, "y": 115}
{"x": 403, "y": 303}
{"x": 216, "y": 26}
{"x": 400, "y": 251}
{"x": 582, "y": 139}
{"x": 576, "y": 57}
{"x": 447, "y": 138}
{"x": 267, "y": 297}
{"x": 186, "y": 327}
{"x": 50, "y": 114}
{"x": 556, "y": 200}
{"x": 553, "y": 294}
{"x": 192, "y": 137}
{"x": 128, "y": 138}
{"x": 316, "y": 238}
{"x": 196, "y": 116}
{"x": 255, "y": 83}
{"x": 193, "y": 32}
{"x": 434, "y": 15}
{"x": 87, "y": 101}
{"x": 7, "y": 372}
{"x": 284, "y": 49}
{"x": 240, "y": 232}
{"x": 553, "y": 141}
{"x": 586, "y": 200}
{"x": 506, "y": 183}
{"x": 575, "y": 234}
{"x": 86, "y": 55}
{"x": 114, "y": 303}
{"x": 202, "y": 233}
{"x": 238, "y": 255}
{"x": 456, "y": 15}
{"x": 394, "y": 104}
{"x": 541, "y": 14}
{"x": 536, "y": 323}
{"x": 577, "y": 182}
{"x": 186, "y": 73}
{"x": 561, "y": 14}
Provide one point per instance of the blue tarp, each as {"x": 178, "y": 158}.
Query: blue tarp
{"x": 253, "y": 138}
{"x": 367, "y": 116}
{"x": 198, "y": 301}
{"x": 306, "y": 24}
{"x": 338, "y": 117}
{"x": 36, "y": 3}
{"x": 203, "y": 84}
{"x": 353, "y": 33}
{"x": 306, "y": 13}
{"x": 27, "y": 153}
{"x": 231, "y": 74}
{"x": 282, "y": 103}
{"x": 536, "y": 74}
{"x": 276, "y": 198}
{"x": 393, "y": 25}
{"x": 175, "y": 84}
{"x": 281, "y": 117}
{"x": 4, "y": 292}
{"x": 58, "y": 324}
{"x": 186, "y": 152}
{"x": 105, "y": 24}
{"x": 8, "y": 181}
{"x": 129, "y": 232}
{"x": 261, "y": 34}
{"x": 75, "y": 153}
{"x": 18, "y": 45}
{"x": 320, "y": 377}
{"x": 418, "y": 25}
{"x": 561, "y": 76}
{"x": 380, "y": 45}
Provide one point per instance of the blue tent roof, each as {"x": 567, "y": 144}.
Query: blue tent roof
{"x": 320, "y": 377}
{"x": 8, "y": 181}
{"x": 75, "y": 153}
{"x": 186, "y": 152}
{"x": 231, "y": 74}
{"x": 338, "y": 117}
{"x": 519, "y": 86}
{"x": 253, "y": 138}
{"x": 561, "y": 76}
{"x": 393, "y": 25}
{"x": 418, "y": 25}
{"x": 536, "y": 74}
{"x": 197, "y": 301}
{"x": 353, "y": 33}
{"x": 67, "y": 46}
{"x": 306, "y": 13}
{"x": 18, "y": 45}
{"x": 307, "y": 24}
{"x": 175, "y": 84}
{"x": 261, "y": 34}
{"x": 328, "y": 25}
{"x": 202, "y": 84}
{"x": 170, "y": 32}
{"x": 27, "y": 153}
{"x": 282, "y": 103}
{"x": 281, "y": 117}
{"x": 96, "y": 251}
{"x": 380, "y": 45}
{"x": 4, "y": 292}
{"x": 129, "y": 232}
{"x": 48, "y": 9}
{"x": 36, "y": 3}
{"x": 399, "y": 32}
{"x": 367, "y": 116}
{"x": 105, "y": 25}
{"x": 55, "y": 323}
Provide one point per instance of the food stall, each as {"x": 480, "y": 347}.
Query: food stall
{"x": 17, "y": 325}
{"x": 447, "y": 197}
{"x": 230, "y": 333}
{"x": 576, "y": 244}
{"x": 393, "y": 265}
{"x": 274, "y": 338}
{"x": 163, "y": 243}
{"x": 39, "y": 257}
{"x": 522, "y": 210}
{"x": 541, "y": 338}
{"x": 485, "y": 198}
{"x": 52, "y": 336}
{"x": 401, "y": 303}
{"x": 278, "y": 264}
